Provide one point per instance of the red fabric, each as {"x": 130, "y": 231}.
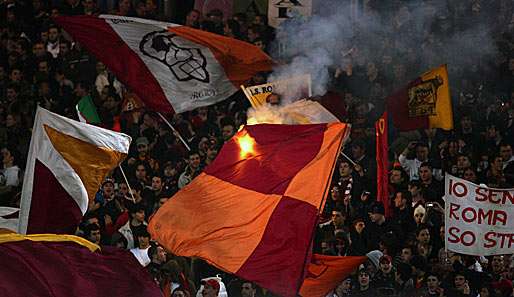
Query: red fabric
{"x": 336, "y": 104}
{"x": 285, "y": 243}
{"x": 100, "y": 39}
{"x": 326, "y": 272}
{"x": 62, "y": 269}
{"x": 284, "y": 157}
{"x": 52, "y": 209}
{"x": 397, "y": 106}
{"x": 383, "y": 163}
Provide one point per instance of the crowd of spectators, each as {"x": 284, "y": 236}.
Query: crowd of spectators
{"x": 41, "y": 65}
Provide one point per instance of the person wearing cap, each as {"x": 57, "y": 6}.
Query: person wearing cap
{"x": 379, "y": 225}
{"x": 211, "y": 288}
{"x": 143, "y": 154}
{"x": 385, "y": 276}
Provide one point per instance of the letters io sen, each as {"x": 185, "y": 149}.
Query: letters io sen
{"x": 494, "y": 196}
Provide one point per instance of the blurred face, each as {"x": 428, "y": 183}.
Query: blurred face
{"x": 423, "y": 236}
{"x": 396, "y": 177}
{"x": 422, "y": 153}
{"x": 375, "y": 217}
{"x": 43, "y": 67}
{"x": 406, "y": 255}
{"x": 399, "y": 202}
{"x": 179, "y": 294}
{"x": 108, "y": 189}
{"x": 466, "y": 123}
{"x": 144, "y": 241}
{"x": 497, "y": 264}
{"x": 418, "y": 217}
{"x": 363, "y": 279}
{"x": 470, "y": 175}
{"x": 344, "y": 169}
{"x": 53, "y": 34}
{"x": 15, "y": 75}
{"x": 335, "y": 193}
{"x": 432, "y": 282}
{"x": 359, "y": 227}
{"x": 425, "y": 174}
{"x": 459, "y": 281}
{"x": 414, "y": 190}
{"x": 140, "y": 172}
{"x": 337, "y": 218}
{"x": 247, "y": 290}
{"x": 385, "y": 266}
{"x": 463, "y": 162}
{"x": 193, "y": 18}
{"x": 344, "y": 287}
{"x": 506, "y": 152}
{"x": 63, "y": 49}
{"x": 156, "y": 183}
{"x": 209, "y": 291}
{"x": 227, "y": 132}
{"x": 10, "y": 121}
{"x": 357, "y": 151}
{"x": 194, "y": 161}
{"x": 162, "y": 201}
{"x": 140, "y": 216}
{"x": 497, "y": 163}
{"x": 95, "y": 236}
{"x": 484, "y": 292}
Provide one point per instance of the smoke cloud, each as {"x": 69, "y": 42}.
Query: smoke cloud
{"x": 417, "y": 35}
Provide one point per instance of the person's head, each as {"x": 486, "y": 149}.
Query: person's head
{"x": 396, "y": 177}
{"x": 53, "y": 33}
{"x": 338, "y": 218}
{"x": 463, "y": 162}
{"x": 157, "y": 254}
{"x": 359, "y": 225}
{"x": 15, "y": 75}
{"x": 156, "y": 183}
{"x": 43, "y": 66}
{"x": 407, "y": 253}
{"x": 377, "y": 213}
{"x": 386, "y": 264}
{"x": 9, "y": 156}
{"x": 81, "y": 89}
{"x": 38, "y": 49}
{"x": 124, "y": 7}
{"x": 211, "y": 288}
{"x": 497, "y": 264}
{"x": 212, "y": 152}
{"x": 108, "y": 188}
{"x": 248, "y": 289}
{"x": 180, "y": 292}
{"x": 344, "y": 287}
{"x": 459, "y": 280}
{"x": 215, "y": 15}
{"x": 433, "y": 281}
{"x": 414, "y": 188}
{"x": 425, "y": 172}
{"x": 273, "y": 99}
{"x": 194, "y": 160}
{"x": 11, "y": 93}
{"x": 64, "y": 46}
{"x": 419, "y": 214}
{"x": 496, "y": 162}
{"x": 422, "y": 152}
{"x": 143, "y": 238}
{"x": 470, "y": 175}
{"x": 423, "y": 234}
{"x": 163, "y": 200}
{"x": 335, "y": 193}
{"x": 345, "y": 168}
{"x": 466, "y": 123}
{"x": 227, "y": 131}
{"x": 142, "y": 145}
{"x": 485, "y": 290}
{"x": 358, "y": 149}
{"x": 505, "y": 151}
{"x": 193, "y": 18}
{"x": 93, "y": 233}
{"x": 363, "y": 278}
{"x": 402, "y": 199}
{"x": 141, "y": 172}
{"x": 138, "y": 213}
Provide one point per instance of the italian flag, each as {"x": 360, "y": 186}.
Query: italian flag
{"x": 86, "y": 111}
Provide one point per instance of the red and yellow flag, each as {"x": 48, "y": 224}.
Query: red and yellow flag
{"x": 253, "y": 211}
{"x": 424, "y": 103}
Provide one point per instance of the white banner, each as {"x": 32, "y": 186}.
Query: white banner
{"x": 478, "y": 220}
{"x": 281, "y": 10}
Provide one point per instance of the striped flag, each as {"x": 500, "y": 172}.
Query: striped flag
{"x": 67, "y": 162}
{"x": 252, "y": 212}
{"x": 86, "y": 111}
{"x": 172, "y": 68}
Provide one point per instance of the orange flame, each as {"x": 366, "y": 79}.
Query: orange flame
{"x": 246, "y": 144}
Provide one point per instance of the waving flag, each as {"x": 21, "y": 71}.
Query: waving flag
{"x": 48, "y": 265}
{"x": 252, "y": 212}
{"x": 382, "y": 154}
{"x": 324, "y": 273}
{"x": 67, "y": 162}
{"x": 424, "y": 103}
{"x": 170, "y": 67}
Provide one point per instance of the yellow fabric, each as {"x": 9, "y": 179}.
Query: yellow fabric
{"x": 90, "y": 162}
{"x": 13, "y": 237}
{"x": 257, "y": 94}
{"x": 444, "y": 113}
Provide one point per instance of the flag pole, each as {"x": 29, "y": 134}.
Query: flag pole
{"x": 175, "y": 131}
{"x": 348, "y": 158}
{"x": 128, "y": 185}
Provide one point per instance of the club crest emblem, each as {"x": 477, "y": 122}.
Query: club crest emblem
{"x": 185, "y": 63}
{"x": 423, "y": 97}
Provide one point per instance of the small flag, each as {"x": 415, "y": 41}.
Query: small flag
{"x": 86, "y": 111}
{"x": 424, "y": 103}
{"x": 252, "y": 212}
{"x": 67, "y": 162}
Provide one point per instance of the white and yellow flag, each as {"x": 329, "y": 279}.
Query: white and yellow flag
{"x": 67, "y": 162}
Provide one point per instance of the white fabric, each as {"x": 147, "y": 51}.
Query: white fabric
{"x": 10, "y": 224}
{"x": 42, "y": 149}
{"x": 141, "y": 255}
{"x": 12, "y": 175}
{"x": 182, "y": 95}
{"x": 223, "y": 290}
